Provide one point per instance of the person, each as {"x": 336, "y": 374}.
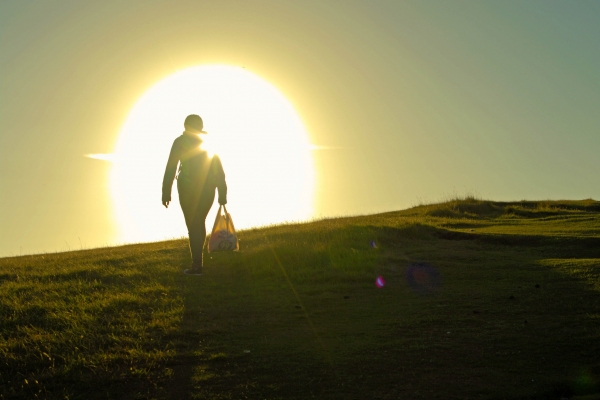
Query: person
{"x": 198, "y": 177}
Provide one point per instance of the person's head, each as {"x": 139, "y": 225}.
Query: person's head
{"x": 194, "y": 124}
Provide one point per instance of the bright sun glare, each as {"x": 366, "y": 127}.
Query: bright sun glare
{"x": 251, "y": 126}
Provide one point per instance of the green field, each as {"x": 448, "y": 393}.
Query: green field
{"x": 515, "y": 313}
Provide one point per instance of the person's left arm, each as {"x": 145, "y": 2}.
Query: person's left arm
{"x": 219, "y": 175}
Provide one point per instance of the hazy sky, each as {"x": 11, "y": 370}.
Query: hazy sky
{"x": 421, "y": 99}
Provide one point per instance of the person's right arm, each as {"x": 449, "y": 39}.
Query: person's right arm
{"x": 170, "y": 172}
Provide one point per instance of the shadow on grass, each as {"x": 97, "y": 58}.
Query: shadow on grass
{"x": 183, "y": 365}
{"x": 243, "y": 334}
{"x": 206, "y": 364}
{"x": 503, "y": 326}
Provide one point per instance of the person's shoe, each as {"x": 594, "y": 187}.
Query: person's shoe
{"x": 193, "y": 271}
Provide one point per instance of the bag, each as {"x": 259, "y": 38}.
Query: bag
{"x": 223, "y": 236}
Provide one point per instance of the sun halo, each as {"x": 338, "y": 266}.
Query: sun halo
{"x": 251, "y": 126}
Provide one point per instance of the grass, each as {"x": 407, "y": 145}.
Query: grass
{"x": 515, "y": 313}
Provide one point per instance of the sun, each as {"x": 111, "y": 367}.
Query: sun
{"x": 251, "y": 126}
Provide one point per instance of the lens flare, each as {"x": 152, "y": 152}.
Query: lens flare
{"x": 380, "y": 282}
{"x": 423, "y": 278}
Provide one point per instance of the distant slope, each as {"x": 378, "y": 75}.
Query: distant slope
{"x": 480, "y": 299}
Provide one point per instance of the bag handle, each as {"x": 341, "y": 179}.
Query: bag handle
{"x": 226, "y": 216}
{"x": 228, "y": 220}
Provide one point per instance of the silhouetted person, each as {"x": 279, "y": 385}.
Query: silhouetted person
{"x": 199, "y": 175}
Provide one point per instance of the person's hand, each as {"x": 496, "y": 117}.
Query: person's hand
{"x": 222, "y": 202}
{"x": 166, "y": 204}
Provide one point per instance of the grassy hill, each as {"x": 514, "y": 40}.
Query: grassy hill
{"x": 480, "y": 300}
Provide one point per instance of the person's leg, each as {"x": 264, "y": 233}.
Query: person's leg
{"x": 197, "y": 231}
{"x": 195, "y": 208}
{"x": 187, "y": 212}
{"x": 188, "y": 206}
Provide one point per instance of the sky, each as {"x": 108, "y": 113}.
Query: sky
{"x": 410, "y": 101}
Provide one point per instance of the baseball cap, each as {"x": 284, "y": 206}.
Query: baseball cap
{"x": 195, "y": 122}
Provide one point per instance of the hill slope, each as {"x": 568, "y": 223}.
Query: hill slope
{"x": 478, "y": 299}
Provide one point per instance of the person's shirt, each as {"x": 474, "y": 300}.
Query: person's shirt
{"x": 198, "y": 172}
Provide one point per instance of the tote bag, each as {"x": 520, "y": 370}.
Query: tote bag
{"x": 223, "y": 236}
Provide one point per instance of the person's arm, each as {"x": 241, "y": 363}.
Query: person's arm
{"x": 170, "y": 172}
{"x": 219, "y": 175}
